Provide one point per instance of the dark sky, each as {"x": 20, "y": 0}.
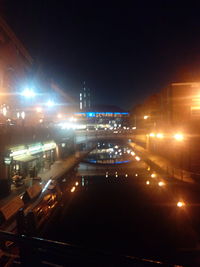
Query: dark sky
{"x": 123, "y": 52}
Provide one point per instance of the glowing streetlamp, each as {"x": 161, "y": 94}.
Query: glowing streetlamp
{"x": 161, "y": 183}
{"x": 73, "y": 189}
{"x": 137, "y": 158}
{"x": 50, "y": 103}
{"x": 39, "y": 109}
{"x": 23, "y": 115}
{"x": 180, "y": 204}
{"x": 4, "y": 111}
{"x": 152, "y": 134}
{"x": 28, "y": 93}
{"x": 178, "y": 137}
{"x": 146, "y": 117}
{"x": 160, "y": 135}
{"x": 59, "y": 116}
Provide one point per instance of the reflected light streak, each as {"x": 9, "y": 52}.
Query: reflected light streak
{"x": 73, "y": 189}
{"x": 137, "y": 158}
{"x": 46, "y": 185}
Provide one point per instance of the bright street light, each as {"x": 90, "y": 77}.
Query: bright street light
{"x": 38, "y": 109}
{"x": 4, "y": 111}
{"x": 178, "y": 137}
{"x": 50, "y": 103}
{"x": 152, "y": 134}
{"x": 180, "y": 204}
{"x": 23, "y": 115}
{"x": 59, "y": 116}
{"x": 161, "y": 183}
{"x": 160, "y": 135}
{"x": 73, "y": 189}
{"x": 146, "y": 117}
{"x": 28, "y": 93}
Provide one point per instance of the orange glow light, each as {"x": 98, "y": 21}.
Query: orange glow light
{"x": 180, "y": 204}
{"x": 73, "y": 189}
{"x": 161, "y": 183}
{"x": 178, "y": 137}
{"x": 137, "y": 158}
{"x": 160, "y": 135}
{"x": 39, "y": 109}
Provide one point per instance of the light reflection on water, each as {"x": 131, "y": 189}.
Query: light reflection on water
{"x": 110, "y": 153}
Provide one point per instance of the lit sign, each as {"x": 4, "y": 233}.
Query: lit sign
{"x": 32, "y": 149}
{"x": 18, "y": 152}
{"x": 7, "y": 160}
{"x": 91, "y": 114}
{"x": 35, "y": 149}
{"x": 49, "y": 146}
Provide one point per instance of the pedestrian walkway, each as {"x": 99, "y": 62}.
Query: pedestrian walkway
{"x": 56, "y": 170}
{"x": 163, "y": 164}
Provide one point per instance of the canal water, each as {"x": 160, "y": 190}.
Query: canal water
{"x": 117, "y": 203}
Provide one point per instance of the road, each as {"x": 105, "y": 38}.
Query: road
{"x": 126, "y": 214}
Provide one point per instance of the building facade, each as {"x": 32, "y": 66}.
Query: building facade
{"x": 85, "y": 98}
{"x": 15, "y": 66}
{"x": 174, "y": 110}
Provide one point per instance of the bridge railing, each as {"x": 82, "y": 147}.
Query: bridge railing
{"x": 35, "y": 251}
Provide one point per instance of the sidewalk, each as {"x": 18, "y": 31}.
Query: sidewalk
{"x": 163, "y": 164}
{"x": 56, "y": 170}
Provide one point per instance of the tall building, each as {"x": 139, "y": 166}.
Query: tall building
{"x": 15, "y": 66}
{"x": 85, "y": 102}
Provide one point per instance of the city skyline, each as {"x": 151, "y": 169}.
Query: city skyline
{"x": 125, "y": 53}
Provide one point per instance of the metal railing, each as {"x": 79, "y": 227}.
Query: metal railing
{"x": 35, "y": 251}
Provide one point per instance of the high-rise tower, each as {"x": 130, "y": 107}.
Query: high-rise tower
{"x": 85, "y": 102}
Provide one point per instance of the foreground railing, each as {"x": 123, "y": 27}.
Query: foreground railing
{"x": 34, "y": 251}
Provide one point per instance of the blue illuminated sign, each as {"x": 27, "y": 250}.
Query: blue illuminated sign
{"x": 91, "y": 114}
{"x": 120, "y": 162}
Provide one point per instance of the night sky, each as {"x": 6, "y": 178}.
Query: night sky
{"x": 123, "y": 52}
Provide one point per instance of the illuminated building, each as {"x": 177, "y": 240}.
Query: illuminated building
{"x": 103, "y": 116}
{"x": 15, "y": 64}
{"x": 174, "y": 112}
{"x": 85, "y": 101}
{"x": 26, "y": 158}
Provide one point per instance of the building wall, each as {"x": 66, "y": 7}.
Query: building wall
{"x": 177, "y": 110}
{"x": 15, "y": 63}
{"x": 85, "y": 98}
